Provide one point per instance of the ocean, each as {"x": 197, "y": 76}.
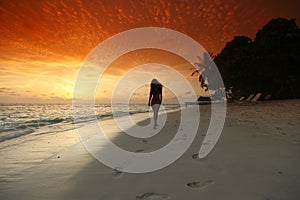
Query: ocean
{"x": 20, "y": 120}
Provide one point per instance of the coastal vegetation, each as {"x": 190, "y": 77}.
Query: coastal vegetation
{"x": 269, "y": 63}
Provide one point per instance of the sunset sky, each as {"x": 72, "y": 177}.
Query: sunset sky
{"x": 44, "y": 42}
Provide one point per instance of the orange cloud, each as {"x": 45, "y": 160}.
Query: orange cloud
{"x": 46, "y": 41}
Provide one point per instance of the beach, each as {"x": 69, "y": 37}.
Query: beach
{"x": 256, "y": 157}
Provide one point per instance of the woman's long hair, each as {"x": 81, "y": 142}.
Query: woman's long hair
{"x": 156, "y": 86}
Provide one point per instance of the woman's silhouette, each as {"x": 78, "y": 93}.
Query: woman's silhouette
{"x": 155, "y": 98}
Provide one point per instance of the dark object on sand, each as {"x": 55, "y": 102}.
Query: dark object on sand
{"x": 200, "y": 101}
{"x": 204, "y": 100}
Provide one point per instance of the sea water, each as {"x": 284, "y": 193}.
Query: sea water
{"x": 20, "y": 120}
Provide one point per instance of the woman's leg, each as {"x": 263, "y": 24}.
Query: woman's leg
{"x": 155, "y": 108}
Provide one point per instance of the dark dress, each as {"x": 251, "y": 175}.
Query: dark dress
{"x": 156, "y": 91}
{"x": 155, "y": 99}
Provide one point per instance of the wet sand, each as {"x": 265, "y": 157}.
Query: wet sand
{"x": 256, "y": 157}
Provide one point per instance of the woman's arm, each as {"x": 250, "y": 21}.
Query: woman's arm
{"x": 150, "y": 96}
{"x": 160, "y": 94}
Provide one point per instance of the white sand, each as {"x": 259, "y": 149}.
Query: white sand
{"x": 256, "y": 157}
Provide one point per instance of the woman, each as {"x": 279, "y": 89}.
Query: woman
{"x": 155, "y": 98}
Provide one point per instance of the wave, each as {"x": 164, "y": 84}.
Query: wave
{"x": 21, "y": 120}
{"x": 15, "y": 134}
{"x": 21, "y": 125}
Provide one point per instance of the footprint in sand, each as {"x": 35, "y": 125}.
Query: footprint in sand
{"x": 200, "y": 185}
{"x": 152, "y": 196}
{"x": 117, "y": 172}
{"x": 195, "y": 156}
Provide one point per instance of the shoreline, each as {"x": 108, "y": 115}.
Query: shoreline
{"x": 52, "y": 122}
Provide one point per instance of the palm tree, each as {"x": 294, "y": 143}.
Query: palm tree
{"x": 209, "y": 77}
{"x": 202, "y": 69}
